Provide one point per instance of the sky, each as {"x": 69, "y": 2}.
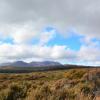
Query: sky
{"x": 67, "y": 31}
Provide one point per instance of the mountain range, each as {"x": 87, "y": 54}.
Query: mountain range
{"x": 31, "y": 64}
{"x": 24, "y": 67}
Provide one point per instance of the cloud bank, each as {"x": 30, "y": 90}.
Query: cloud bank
{"x": 24, "y": 21}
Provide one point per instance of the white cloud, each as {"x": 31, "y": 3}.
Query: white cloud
{"x": 88, "y": 41}
{"x": 45, "y": 37}
{"x": 88, "y": 55}
{"x": 23, "y": 34}
{"x": 23, "y": 52}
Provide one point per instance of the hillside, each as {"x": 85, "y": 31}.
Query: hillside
{"x": 71, "y": 84}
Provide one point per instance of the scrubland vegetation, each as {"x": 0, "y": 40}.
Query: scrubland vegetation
{"x": 72, "y": 84}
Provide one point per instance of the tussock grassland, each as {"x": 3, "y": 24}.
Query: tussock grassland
{"x": 72, "y": 84}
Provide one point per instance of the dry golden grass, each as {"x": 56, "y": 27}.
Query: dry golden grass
{"x": 73, "y": 84}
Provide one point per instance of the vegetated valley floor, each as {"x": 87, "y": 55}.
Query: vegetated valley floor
{"x": 70, "y": 84}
